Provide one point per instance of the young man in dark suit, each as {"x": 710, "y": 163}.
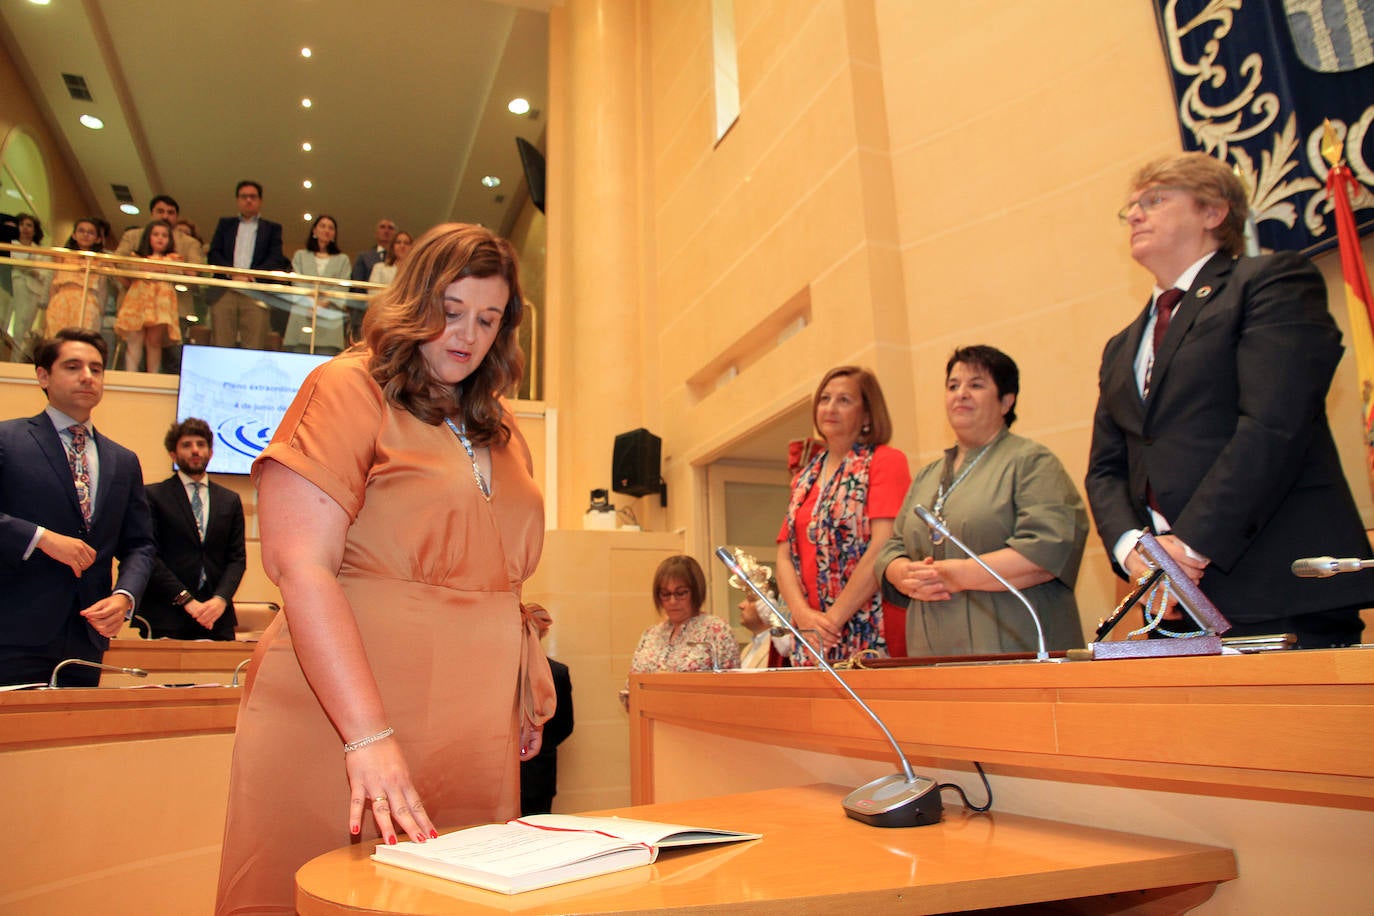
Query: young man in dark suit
{"x": 1212, "y": 433}
{"x": 244, "y": 241}
{"x": 200, "y": 548}
{"x": 71, "y": 503}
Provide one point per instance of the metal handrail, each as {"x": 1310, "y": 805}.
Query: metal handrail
{"x": 128, "y": 267}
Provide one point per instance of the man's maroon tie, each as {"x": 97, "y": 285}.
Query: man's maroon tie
{"x": 1164, "y": 312}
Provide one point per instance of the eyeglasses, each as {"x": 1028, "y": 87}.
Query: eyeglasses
{"x": 679, "y": 594}
{"x": 1149, "y": 199}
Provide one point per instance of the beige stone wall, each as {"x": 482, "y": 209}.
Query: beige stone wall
{"x": 596, "y": 584}
{"x": 905, "y": 178}
{"x": 17, "y": 109}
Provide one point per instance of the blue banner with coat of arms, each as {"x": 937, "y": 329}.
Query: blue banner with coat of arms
{"x": 1255, "y": 80}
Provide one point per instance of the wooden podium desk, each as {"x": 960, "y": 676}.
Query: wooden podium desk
{"x": 815, "y": 860}
{"x": 199, "y": 661}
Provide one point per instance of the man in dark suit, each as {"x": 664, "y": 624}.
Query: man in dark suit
{"x": 71, "y": 502}
{"x": 200, "y": 549}
{"x": 244, "y": 241}
{"x": 366, "y": 260}
{"x": 539, "y": 774}
{"x": 1213, "y": 432}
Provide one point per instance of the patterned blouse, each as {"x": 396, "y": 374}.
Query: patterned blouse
{"x": 659, "y": 650}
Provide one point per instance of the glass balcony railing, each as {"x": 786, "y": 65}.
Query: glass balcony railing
{"x": 255, "y": 309}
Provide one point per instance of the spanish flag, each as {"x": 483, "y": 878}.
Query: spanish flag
{"x": 1340, "y": 187}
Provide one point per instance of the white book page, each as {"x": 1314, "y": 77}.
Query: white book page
{"x": 511, "y": 850}
{"x": 652, "y": 833}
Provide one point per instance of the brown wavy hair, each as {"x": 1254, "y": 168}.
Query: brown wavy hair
{"x": 879, "y": 430}
{"x": 410, "y": 312}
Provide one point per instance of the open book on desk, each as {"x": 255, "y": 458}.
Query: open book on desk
{"x": 546, "y": 849}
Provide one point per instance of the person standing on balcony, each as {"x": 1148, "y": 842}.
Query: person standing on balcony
{"x": 244, "y": 241}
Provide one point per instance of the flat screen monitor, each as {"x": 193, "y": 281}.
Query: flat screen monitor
{"x": 243, "y": 395}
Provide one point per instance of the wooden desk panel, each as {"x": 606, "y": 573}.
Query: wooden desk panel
{"x": 811, "y": 859}
{"x": 1299, "y": 724}
{"x": 44, "y": 718}
{"x": 158, "y": 655}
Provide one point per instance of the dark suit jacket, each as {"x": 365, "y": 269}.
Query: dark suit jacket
{"x": 181, "y": 555}
{"x": 366, "y": 260}
{"x": 39, "y": 594}
{"x": 539, "y": 774}
{"x": 267, "y": 253}
{"x": 1234, "y": 439}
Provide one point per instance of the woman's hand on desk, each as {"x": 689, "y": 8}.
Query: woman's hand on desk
{"x": 379, "y": 778}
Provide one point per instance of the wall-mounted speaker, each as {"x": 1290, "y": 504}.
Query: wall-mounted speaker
{"x": 532, "y": 161}
{"x": 635, "y": 463}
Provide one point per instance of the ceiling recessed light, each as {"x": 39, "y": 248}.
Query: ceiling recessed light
{"x": 306, "y": 103}
{"x": 40, "y": 2}
{"x": 307, "y": 184}
{"x": 306, "y": 146}
{"x": 92, "y": 122}
{"x": 519, "y": 106}
{"x": 129, "y": 209}
{"x": 307, "y": 217}
{"x": 491, "y": 181}
{"x": 305, "y": 52}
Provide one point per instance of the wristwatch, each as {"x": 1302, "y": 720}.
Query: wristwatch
{"x": 182, "y": 597}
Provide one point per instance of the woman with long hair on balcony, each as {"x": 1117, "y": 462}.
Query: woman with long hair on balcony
{"x": 321, "y": 317}
{"x": 30, "y": 287}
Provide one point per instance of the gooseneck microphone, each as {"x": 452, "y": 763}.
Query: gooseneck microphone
{"x": 938, "y": 531}
{"x": 900, "y": 800}
{"x": 1325, "y": 567}
{"x": 52, "y": 682}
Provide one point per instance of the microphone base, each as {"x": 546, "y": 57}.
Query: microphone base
{"x": 893, "y": 802}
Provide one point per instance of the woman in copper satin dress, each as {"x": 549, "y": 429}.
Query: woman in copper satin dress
{"x": 403, "y": 682}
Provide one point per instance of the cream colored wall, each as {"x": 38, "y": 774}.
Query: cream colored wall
{"x": 790, "y": 217}
{"x": 596, "y": 585}
{"x": 907, "y": 178}
{"x": 17, "y": 109}
{"x": 1012, "y": 144}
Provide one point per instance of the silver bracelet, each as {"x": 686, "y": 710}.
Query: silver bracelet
{"x": 361, "y": 743}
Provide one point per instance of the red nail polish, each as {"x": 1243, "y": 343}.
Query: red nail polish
{"x": 391, "y": 841}
{"x": 354, "y": 829}
{"x": 434, "y": 834}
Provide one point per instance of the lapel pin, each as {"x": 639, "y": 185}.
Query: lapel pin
{"x": 1204, "y": 292}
